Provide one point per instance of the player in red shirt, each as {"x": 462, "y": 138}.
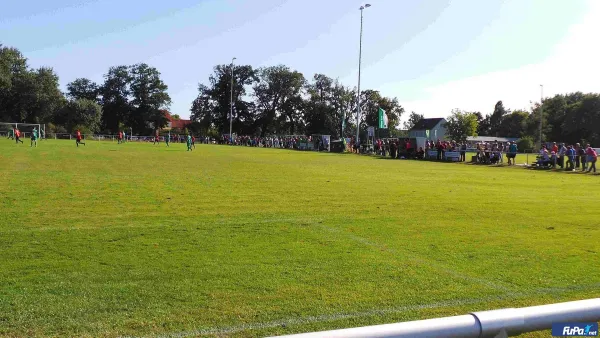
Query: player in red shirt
{"x": 18, "y": 135}
{"x": 194, "y": 141}
{"x": 120, "y": 137}
{"x": 78, "y": 138}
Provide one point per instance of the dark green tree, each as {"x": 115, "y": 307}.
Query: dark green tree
{"x": 514, "y": 124}
{"x": 278, "y": 95}
{"x": 115, "y": 100}
{"x": 483, "y": 124}
{"x": 211, "y": 107}
{"x": 83, "y": 88}
{"x": 460, "y": 125}
{"x": 371, "y": 101}
{"x": 149, "y": 98}
{"x": 81, "y": 112}
{"x": 413, "y": 118}
{"x": 496, "y": 119}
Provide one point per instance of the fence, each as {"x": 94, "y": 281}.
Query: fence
{"x": 112, "y": 138}
{"x": 495, "y": 323}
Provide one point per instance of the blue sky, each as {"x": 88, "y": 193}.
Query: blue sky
{"x": 432, "y": 55}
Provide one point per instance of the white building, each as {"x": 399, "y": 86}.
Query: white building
{"x": 428, "y": 129}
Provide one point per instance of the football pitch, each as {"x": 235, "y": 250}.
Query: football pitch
{"x": 143, "y": 240}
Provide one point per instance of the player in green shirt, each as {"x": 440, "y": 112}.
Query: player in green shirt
{"x": 34, "y": 137}
{"x": 189, "y": 142}
{"x": 168, "y": 138}
{"x": 11, "y": 134}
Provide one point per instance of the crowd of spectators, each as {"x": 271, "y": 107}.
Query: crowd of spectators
{"x": 568, "y": 157}
{"x": 282, "y": 142}
{"x": 397, "y": 148}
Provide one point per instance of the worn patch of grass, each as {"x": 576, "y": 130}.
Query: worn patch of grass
{"x": 136, "y": 239}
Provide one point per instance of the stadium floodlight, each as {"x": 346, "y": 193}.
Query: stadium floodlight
{"x": 231, "y": 103}
{"x": 359, "y": 64}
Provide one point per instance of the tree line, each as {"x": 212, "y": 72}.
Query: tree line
{"x": 570, "y": 118}
{"x": 130, "y": 97}
{"x": 277, "y": 100}
{"x": 274, "y": 100}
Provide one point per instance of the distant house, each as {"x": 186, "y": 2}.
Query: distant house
{"x": 175, "y": 123}
{"x": 435, "y": 126}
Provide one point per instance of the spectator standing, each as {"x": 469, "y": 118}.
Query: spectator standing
{"x": 501, "y": 152}
{"x": 562, "y": 151}
{"x": 583, "y": 156}
{"x": 571, "y": 154}
{"x": 592, "y": 157}
{"x": 440, "y": 149}
{"x": 512, "y": 153}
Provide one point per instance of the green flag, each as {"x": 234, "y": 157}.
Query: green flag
{"x": 383, "y": 119}
{"x": 427, "y": 133}
{"x": 343, "y": 123}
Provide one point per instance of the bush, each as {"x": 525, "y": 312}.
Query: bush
{"x": 83, "y": 129}
{"x": 55, "y": 129}
{"x": 525, "y": 143}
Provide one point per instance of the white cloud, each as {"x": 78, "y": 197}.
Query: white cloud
{"x": 573, "y": 66}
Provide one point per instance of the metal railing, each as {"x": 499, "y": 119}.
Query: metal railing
{"x": 495, "y": 323}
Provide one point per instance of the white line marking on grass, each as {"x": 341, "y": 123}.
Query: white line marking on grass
{"x": 375, "y": 312}
{"x": 417, "y": 259}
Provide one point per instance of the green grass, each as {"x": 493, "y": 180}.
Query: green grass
{"x": 143, "y": 240}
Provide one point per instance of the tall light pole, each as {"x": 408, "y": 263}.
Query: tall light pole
{"x": 231, "y": 104}
{"x": 541, "y": 111}
{"x": 359, "y": 64}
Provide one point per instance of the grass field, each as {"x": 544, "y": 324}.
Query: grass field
{"x": 143, "y": 240}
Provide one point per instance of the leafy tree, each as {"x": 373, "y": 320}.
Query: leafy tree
{"x": 461, "y": 125}
{"x": 175, "y": 117}
{"x": 320, "y": 114}
{"x": 413, "y": 119}
{"x": 115, "y": 100}
{"x": 83, "y": 88}
{"x": 371, "y": 101}
{"x": 328, "y": 103}
{"x": 27, "y": 95}
{"x": 149, "y": 99}
{"x": 514, "y": 124}
{"x": 483, "y": 124}
{"x": 211, "y": 107}
{"x": 81, "y": 112}
{"x": 48, "y": 97}
{"x": 203, "y": 109}
{"x": 13, "y": 65}
{"x": 526, "y": 143}
{"x": 533, "y": 123}
{"x": 582, "y": 119}
{"x": 496, "y": 119}
{"x": 82, "y": 128}
{"x": 278, "y": 94}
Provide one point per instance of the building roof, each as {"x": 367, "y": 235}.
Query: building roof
{"x": 427, "y": 124}
{"x": 176, "y": 123}
{"x": 491, "y": 139}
